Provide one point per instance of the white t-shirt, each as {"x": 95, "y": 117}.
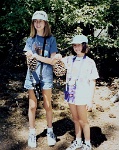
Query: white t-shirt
{"x": 82, "y": 70}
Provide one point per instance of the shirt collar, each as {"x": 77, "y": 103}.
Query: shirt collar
{"x": 78, "y": 58}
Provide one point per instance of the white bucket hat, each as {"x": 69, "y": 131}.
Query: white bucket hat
{"x": 40, "y": 15}
{"x": 78, "y": 39}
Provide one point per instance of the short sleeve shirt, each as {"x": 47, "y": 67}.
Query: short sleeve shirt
{"x": 50, "y": 47}
{"x": 81, "y": 71}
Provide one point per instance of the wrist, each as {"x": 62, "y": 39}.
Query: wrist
{"x": 35, "y": 56}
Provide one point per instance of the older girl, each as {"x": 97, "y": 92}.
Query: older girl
{"x": 40, "y": 30}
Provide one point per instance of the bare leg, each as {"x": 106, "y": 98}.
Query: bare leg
{"x": 74, "y": 112}
{"x": 47, "y": 106}
{"x": 82, "y": 112}
{"x": 31, "y": 114}
{"x": 32, "y": 108}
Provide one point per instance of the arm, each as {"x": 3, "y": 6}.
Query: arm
{"x": 92, "y": 77}
{"x": 52, "y": 60}
{"x": 92, "y": 86}
{"x": 53, "y": 49}
{"x": 45, "y": 59}
{"x": 92, "y": 90}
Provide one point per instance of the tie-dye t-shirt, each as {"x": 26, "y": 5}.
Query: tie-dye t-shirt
{"x": 80, "y": 72}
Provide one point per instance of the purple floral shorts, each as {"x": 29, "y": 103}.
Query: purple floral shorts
{"x": 70, "y": 93}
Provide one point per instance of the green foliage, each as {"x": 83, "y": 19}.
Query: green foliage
{"x": 66, "y": 17}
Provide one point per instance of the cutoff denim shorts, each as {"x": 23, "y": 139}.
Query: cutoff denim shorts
{"x": 46, "y": 82}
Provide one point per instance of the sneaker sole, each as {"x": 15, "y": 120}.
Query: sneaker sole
{"x": 32, "y": 146}
{"x": 51, "y": 142}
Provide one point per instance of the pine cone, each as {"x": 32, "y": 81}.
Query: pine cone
{"x": 32, "y": 63}
{"x": 59, "y": 68}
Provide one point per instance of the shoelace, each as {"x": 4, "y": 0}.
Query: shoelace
{"x": 32, "y": 137}
{"x": 51, "y": 135}
{"x": 73, "y": 144}
{"x": 87, "y": 147}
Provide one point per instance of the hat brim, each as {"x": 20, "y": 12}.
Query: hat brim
{"x": 39, "y": 17}
{"x": 76, "y": 43}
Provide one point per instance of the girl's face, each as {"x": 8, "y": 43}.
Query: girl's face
{"x": 39, "y": 25}
{"x": 78, "y": 48}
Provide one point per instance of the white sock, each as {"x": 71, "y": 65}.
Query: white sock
{"x": 79, "y": 140}
{"x": 87, "y": 142}
{"x": 49, "y": 130}
{"x": 32, "y": 130}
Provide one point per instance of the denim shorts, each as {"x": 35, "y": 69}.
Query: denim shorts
{"x": 44, "y": 85}
{"x": 46, "y": 82}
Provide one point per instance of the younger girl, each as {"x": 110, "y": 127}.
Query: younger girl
{"x": 40, "y": 30}
{"x": 80, "y": 86}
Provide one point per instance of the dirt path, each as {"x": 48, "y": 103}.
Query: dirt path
{"x": 104, "y": 121}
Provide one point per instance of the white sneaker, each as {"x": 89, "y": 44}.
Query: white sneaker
{"x": 87, "y": 147}
{"x": 115, "y": 98}
{"x": 51, "y": 138}
{"x": 74, "y": 146}
{"x": 32, "y": 140}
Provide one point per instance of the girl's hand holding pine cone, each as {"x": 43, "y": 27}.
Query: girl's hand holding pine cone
{"x": 31, "y": 61}
{"x": 58, "y": 65}
{"x": 56, "y": 58}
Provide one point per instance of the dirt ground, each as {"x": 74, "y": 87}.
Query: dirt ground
{"x": 104, "y": 119}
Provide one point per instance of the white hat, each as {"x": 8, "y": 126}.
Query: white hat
{"x": 78, "y": 39}
{"x": 40, "y": 15}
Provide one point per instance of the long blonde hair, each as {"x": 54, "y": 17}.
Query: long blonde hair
{"x": 47, "y": 30}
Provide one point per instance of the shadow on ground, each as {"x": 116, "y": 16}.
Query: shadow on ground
{"x": 66, "y": 125}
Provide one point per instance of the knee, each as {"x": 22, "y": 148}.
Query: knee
{"x": 76, "y": 120}
{"x": 84, "y": 123}
{"x": 32, "y": 105}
